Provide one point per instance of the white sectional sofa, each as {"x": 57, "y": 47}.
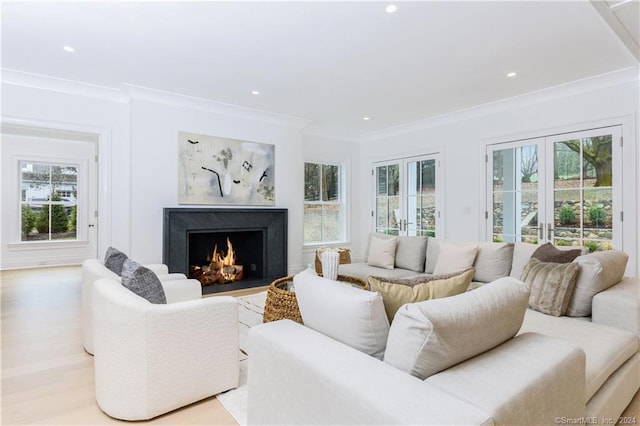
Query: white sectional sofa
{"x": 556, "y": 370}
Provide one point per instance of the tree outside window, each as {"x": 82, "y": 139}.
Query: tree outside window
{"x": 323, "y": 203}
{"x": 48, "y": 202}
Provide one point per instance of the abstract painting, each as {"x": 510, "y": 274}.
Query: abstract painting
{"x": 215, "y": 170}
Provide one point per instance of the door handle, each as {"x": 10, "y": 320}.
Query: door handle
{"x": 549, "y": 231}
{"x": 91, "y": 225}
{"x": 540, "y": 230}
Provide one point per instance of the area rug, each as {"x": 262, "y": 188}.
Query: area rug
{"x": 250, "y": 309}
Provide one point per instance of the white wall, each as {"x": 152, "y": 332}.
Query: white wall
{"x": 154, "y": 173}
{"x": 464, "y": 136}
{"x": 24, "y": 103}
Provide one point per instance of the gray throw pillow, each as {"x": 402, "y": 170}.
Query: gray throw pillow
{"x": 114, "y": 260}
{"x": 143, "y": 282}
{"x": 548, "y": 253}
{"x": 551, "y": 285}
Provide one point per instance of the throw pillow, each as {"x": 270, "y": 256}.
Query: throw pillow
{"x": 493, "y": 261}
{"x": 350, "y": 315}
{"x": 411, "y": 252}
{"x": 428, "y": 337}
{"x": 551, "y": 285}
{"x": 143, "y": 282}
{"x": 598, "y": 272}
{"x": 397, "y": 292}
{"x": 548, "y": 253}
{"x": 114, "y": 260}
{"x": 382, "y": 252}
{"x": 455, "y": 257}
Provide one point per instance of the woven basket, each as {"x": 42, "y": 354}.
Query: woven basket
{"x": 345, "y": 257}
{"x": 283, "y": 304}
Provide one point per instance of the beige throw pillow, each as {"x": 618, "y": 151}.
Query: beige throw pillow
{"x": 396, "y": 293}
{"x": 551, "y": 285}
{"x": 455, "y": 257}
{"x": 382, "y": 252}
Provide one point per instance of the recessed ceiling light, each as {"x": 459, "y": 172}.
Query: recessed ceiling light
{"x": 511, "y": 74}
{"x": 366, "y": 118}
{"x": 391, "y": 8}
{"x": 68, "y": 49}
{"x": 255, "y": 92}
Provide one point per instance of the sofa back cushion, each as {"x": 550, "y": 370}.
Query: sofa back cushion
{"x": 428, "y": 337}
{"x": 348, "y": 314}
{"x": 597, "y": 272}
{"x": 493, "y": 261}
{"x": 410, "y": 251}
{"x": 454, "y": 257}
{"x": 382, "y": 252}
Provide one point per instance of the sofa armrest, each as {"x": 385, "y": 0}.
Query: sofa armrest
{"x": 299, "y": 376}
{"x": 182, "y": 290}
{"x": 619, "y": 306}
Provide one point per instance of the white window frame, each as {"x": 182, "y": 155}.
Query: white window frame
{"x": 342, "y": 202}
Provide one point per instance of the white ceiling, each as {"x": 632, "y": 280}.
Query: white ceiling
{"x": 329, "y": 62}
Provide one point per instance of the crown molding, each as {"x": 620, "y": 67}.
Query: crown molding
{"x": 312, "y": 130}
{"x": 134, "y": 92}
{"x": 625, "y": 75}
{"x": 61, "y": 85}
{"x": 127, "y": 92}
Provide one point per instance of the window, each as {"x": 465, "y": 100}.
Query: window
{"x": 324, "y": 209}
{"x": 564, "y": 189}
{"x": 407, "y": 197}
{"x": 48, "y": 203}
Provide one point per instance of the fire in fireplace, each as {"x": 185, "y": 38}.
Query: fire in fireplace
{"x": 221, "y": 268}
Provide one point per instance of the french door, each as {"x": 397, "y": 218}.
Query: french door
{"x": 407, "y": 196}
{"x": 565, "y": 189}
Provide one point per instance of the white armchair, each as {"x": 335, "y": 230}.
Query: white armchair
{"x": 151, "y": 359}
{"x": 177, "y": 288}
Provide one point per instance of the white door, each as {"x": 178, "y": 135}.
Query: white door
{"x": 49, "y": 204}
{"x": 407, "y": 196}
{"x": 564, "y": 189}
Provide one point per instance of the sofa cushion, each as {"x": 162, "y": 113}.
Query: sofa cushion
{"x": 433, "y": 250}
{"x": 350, "y": 315}
{"x": 397, "y": 292}
{"x": 411, "y": 253}
{"x": 382, "y": 252}
{"x": 551, "y": 285}
{"x": 598, "y": 271}
{"x": 606, "y": 348}
{"x": 428, "y": 337}
{"x": 549, "y": 253}
{"x": 364, "y": 271}
{"x": 455, "y": 257}
{"x": 114, "y": 260}
{"x": 493, "y": 261}
{"x": 143, "y": 282}
{"x": 521, "y": 254}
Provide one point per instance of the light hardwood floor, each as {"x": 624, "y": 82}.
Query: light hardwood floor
{"x": 47, "y": 377}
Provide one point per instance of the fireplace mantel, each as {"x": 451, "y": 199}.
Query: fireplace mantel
{"x": 179, "y": 223}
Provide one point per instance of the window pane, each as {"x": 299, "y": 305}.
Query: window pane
{"x": 35, "y": 181}
{"x": 312, "y": 223}
{"x": 330, "y": 183}
{"x": 597, "y": 161}
{"x": 567, "y": 164}
{"x": 382, "y": 218}
{"x": 428, "y": 176}
{"x": 64, "y": 181}
{"x": 529, "y": 167}
{"x": 567, "y": 215}
{"x": 394, "y": 179}
{"x": 28, "y": 223}
{"x": 381, "y": 180}
{"x": 330, "y": 222}
{"x": 311, "y": 182}
{"x": 598, "y": 221}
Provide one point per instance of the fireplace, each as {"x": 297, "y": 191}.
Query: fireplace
{"x": 255, "y": 238}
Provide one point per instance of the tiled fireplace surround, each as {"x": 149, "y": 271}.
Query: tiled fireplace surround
{"x": 259, "y": 238}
